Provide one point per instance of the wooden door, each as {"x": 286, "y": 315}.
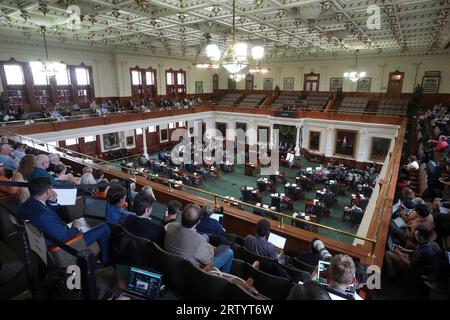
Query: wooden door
{"x": 395, "y": 84}
{"x": 249, "y": 79}
{"x": 215, "y": 82}
{"x": 311, "y": 82}
{"x": 231, "y": 84}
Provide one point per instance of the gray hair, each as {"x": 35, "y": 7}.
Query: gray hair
{"x": 88, "y": 178}
{"x": 53, "y": 157}
{"x": 207, "y": 210}
{"x": 40, "y": 159}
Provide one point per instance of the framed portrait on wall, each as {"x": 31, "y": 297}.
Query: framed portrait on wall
{"x": 198, "y": 86}
{"x": 164, "y": 135}
{"x": 380, "y": 148}
{"x": 268, "y": 84}
{"x": 130, "y": 141}
{"x": 111, "y": 141}
{"x": 335, "y": 83}
{"x": 288, "y": 84}
{"x": 363, "y": 85}
{"x": 345, "y": 143}
{"x": 314, "y": 140}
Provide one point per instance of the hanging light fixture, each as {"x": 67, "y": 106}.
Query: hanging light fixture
{"x": 50, "y": 68}
{"x": 355, "y": 75}
{"x": 235, "y": 57}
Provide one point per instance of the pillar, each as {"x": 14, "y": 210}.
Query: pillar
{"x": 144, "y": 143}
{"x": 330, "y": 142}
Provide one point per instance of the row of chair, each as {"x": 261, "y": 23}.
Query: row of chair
{"x": 253, "y": 100}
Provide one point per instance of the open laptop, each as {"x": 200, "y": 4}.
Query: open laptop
{"x": 218, "y": 217}
{"x": 278, "y": 241}
{"x": 143, "y": 284}
{"x": 94, "y": 214}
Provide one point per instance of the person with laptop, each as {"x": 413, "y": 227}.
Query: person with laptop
{"x": 116, "y": 199}
{"x": 183, "y": 240}
{"x": 259, "y": 243}
{"x": 141, "y": 224}
{"x": 341, "y": 276}
{"x": 41, "y": 211}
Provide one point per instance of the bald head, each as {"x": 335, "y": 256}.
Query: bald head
{"x": 191, "y": 216}
{"x": 42, "y": 161}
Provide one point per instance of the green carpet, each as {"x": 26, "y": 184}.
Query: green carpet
{"x": 229, "y": 185}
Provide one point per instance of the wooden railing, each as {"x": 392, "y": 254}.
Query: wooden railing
{"x": 240, "y": 222}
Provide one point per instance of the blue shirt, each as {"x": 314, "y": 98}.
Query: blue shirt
{"x": 9, "y": 163}
{"x": 19, "y": 154}
{"x": 39, "y": 172}
{"x": 211, "y": 226}
{"x": 422, "y": 256}
{"x": 116, "y": 213}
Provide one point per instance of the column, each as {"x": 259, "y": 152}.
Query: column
{"x": 144, "y": 143}
{"x": 362, "y": 154}
{"x": 271, "y": 136}
{"x": 330, "y": 141}
{"x": 231, "y": 128}
{"x": 297, "y": 141}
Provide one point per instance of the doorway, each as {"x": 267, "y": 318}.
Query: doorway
{"x": 311, "y": 82}
{"x": 395, "y": 84}
{"x": 249, "y": 79}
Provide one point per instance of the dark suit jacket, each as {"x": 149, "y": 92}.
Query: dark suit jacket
{"x": 151, "y": 229}
{"x": 45, "y": 218}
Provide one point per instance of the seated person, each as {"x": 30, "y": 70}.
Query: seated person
{"x": 182, "y": 239}
{"x": 341, "y": 274}
{"x": 259, "y": 244}
{"x": 211, "y": 227}
{"x": 62, "y": 176}
{"x": 173, "y": 208}
{"x": 417, "y": 260}
{"x": 407, "y": 198}
{"x": 141, "y": 224}
{"x": 108, "y": 284}
{"x": 310, "y": 290}
{"x": 6, "y": 190}
{"x": 42, "y": 162}
{"x": 40, "y": 209}
{"x": 116, "y": 199}
{"x": 439, "y": 145}
{"x": 8, "y": 158}
{"x": 413, "y": 164}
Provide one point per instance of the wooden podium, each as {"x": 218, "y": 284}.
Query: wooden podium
{"x": 251, "y": 169}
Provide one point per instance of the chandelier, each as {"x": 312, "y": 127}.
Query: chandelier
{"x": 50, "y": 68}
{"x": 355, "y": 75}
{"x": 234, "y": 58}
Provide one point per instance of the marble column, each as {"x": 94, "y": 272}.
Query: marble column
{"x": 362, "y": 154}
{"x": 297, "y": 141}
{"x": 330, "y": 142}
{"x": 144, "y": 143}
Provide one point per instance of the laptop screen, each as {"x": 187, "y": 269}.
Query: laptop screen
{"x": 95, "y": 207}
{"x": 277, "y": 241}
{"x": 217, "y": 216}
{"x": 144, "y": 283}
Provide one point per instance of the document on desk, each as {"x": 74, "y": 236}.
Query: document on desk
{"x": 66, "y": 197}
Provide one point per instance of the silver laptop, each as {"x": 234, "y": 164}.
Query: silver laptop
{"x": 278, "y": 241}
{"x": 94, "y": 214}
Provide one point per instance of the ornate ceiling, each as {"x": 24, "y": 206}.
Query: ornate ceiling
{"x": 289, "y": 29}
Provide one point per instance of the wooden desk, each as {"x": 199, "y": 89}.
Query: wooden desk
{"x": 251, "y": 170}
